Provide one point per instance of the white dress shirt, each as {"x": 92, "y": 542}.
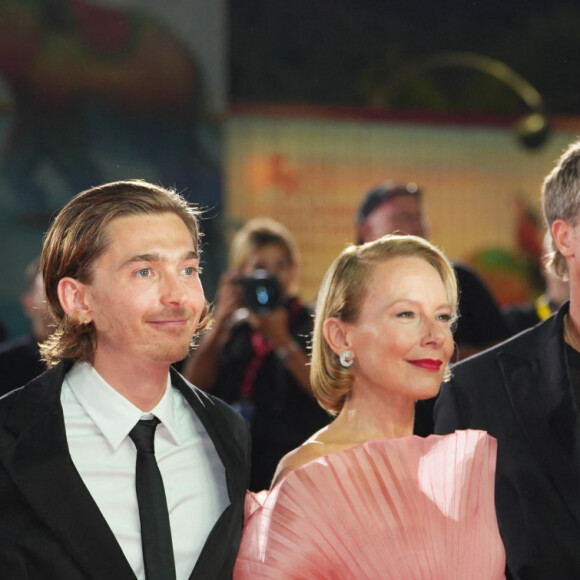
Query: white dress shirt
{"x": 98, "y": 420}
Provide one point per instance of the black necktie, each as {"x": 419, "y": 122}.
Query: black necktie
{"x": 153, "y": 514}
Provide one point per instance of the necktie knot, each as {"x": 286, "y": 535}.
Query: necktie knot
{"x": 143, "y": 435}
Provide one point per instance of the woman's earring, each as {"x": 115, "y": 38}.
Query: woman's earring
{"x": 346, "y": 358}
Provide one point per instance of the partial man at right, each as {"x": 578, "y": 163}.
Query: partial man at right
{"x": 522, "y": 316}
{"x": 525, "y": 392}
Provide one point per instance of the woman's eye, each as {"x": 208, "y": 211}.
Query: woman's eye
{"x": 445, "y": 317}
{"x": 406, "y": 314}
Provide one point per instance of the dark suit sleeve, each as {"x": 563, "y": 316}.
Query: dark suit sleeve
{"x": 447, "y": 415}
{"x": 11, "y": 565}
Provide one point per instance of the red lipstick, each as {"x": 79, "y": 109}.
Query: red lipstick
{"x": 427, "y": 363}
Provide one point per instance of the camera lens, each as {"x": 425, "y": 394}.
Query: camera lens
{"x": 262, "y": 292}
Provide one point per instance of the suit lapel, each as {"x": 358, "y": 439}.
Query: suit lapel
{"x": 34, "y": 451}
{"x": 218, "y": 429}
{"x": 216, "y": 552}
{"x": 541, "y": 396}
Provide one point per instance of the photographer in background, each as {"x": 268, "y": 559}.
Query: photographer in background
{"x": 255, "y": 355}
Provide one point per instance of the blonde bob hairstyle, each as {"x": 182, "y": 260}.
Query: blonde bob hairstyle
{"x": 342, "y": 294}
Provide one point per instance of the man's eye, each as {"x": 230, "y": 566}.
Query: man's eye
{"x": 190, "y": 271}
{"x": 143, "y": 272}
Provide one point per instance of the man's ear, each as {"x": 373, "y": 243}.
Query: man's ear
{"x": 336, "y": 334}
{"x": 363, "y": 232}
{"x": 72, "y": 296}
{"x": 27, "y": 304}
{"x": 563, "y": 234}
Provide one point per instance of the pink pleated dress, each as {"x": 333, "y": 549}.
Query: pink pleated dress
{"x": 401, "y": 509}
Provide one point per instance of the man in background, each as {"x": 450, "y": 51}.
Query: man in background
{"x": 392, "y": 207}
{"x": 520, "y": 317}
{"x": 20, "y": 359}
{"x": 396, "y": 208}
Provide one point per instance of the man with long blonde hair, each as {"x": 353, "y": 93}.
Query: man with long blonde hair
{"x": 112, "y": 465}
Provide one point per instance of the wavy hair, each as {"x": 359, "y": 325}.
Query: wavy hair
{"x": 78, "y": 236}
{"x": 561, "y": 201}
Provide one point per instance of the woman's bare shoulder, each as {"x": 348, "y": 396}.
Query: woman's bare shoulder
{"x": 315, "y": 447}
{"x": 302, "y": 455}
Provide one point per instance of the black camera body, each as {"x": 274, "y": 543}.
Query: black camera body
{"x": 262, "y": 292}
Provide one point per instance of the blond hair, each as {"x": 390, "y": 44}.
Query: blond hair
{"x": 342, "y": 294}
{"x": 78, "y": 236}
{"x": 257, "y": 233}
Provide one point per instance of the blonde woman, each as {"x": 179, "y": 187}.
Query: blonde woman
{"x": 363, "y": 497}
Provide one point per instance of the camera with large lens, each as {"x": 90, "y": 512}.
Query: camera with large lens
{"x": 262, "y": 292}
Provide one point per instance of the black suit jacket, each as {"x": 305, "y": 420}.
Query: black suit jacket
{"x": 50, "y": 526}
{"x": 19, "y": 362}
{"x": 520, "y": 393}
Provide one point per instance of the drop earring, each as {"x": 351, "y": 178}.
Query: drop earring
{"x": 346, "y": 358}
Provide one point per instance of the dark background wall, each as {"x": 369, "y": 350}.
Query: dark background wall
{"x": 349, "y": 51}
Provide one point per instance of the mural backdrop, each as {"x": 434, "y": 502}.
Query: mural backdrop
{"x": 97, "y": 91}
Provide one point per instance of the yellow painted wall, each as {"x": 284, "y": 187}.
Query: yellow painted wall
{"x": 311, "y": 173}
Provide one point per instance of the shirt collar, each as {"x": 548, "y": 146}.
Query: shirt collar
{"x": 111, "y": 412}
